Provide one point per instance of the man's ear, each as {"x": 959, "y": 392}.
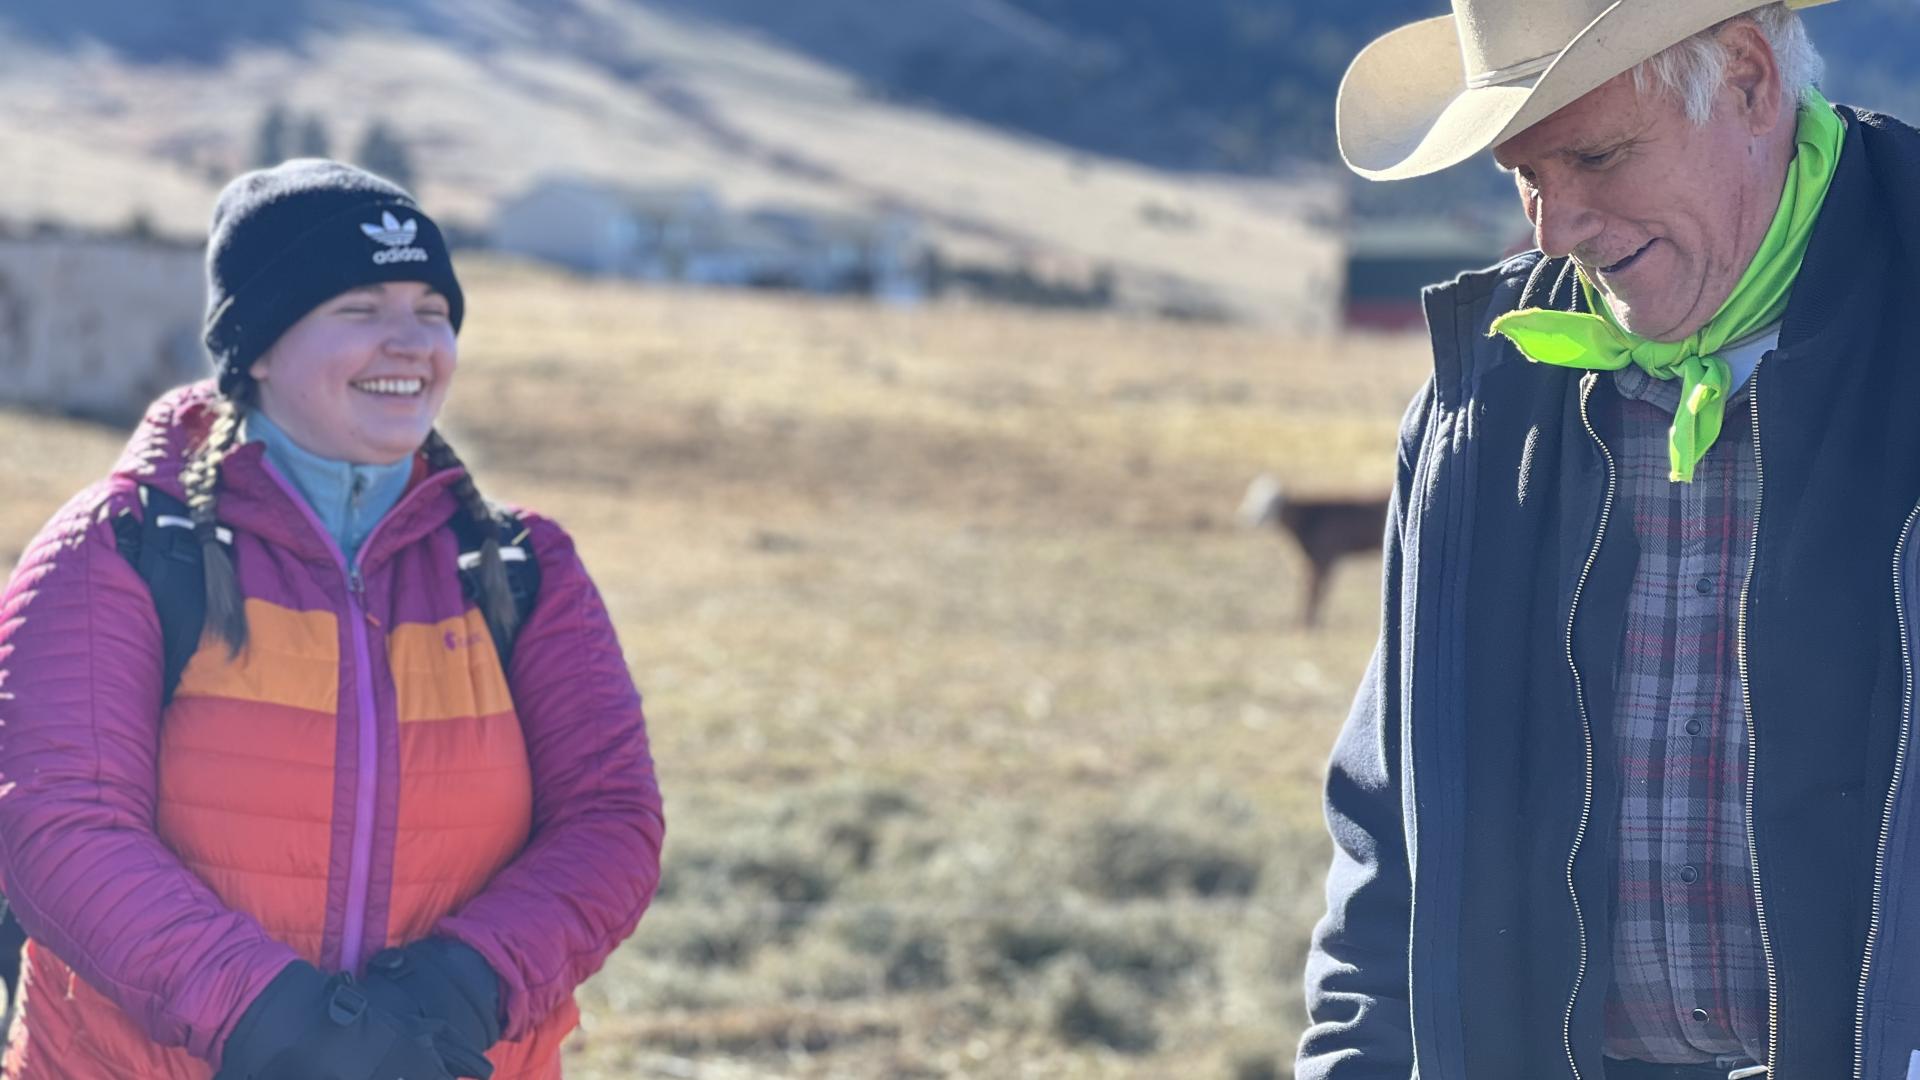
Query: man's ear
{"x": 1753, "y": 73}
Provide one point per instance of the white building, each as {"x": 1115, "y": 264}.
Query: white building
{"x": 98, "y": 326}
{"x": 837, "y": 251}
{"x": 685, "y": 234}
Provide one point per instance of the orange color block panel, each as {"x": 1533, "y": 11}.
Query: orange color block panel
{"x": 447, "y": 670}
{"x": 292, "y": 658}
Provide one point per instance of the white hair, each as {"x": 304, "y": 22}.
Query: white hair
{"x": 1692, "y": 70}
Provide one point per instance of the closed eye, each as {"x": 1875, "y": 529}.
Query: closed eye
{"x": 1599, "y": 159}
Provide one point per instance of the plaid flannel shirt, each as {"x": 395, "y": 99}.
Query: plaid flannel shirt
{"x": 1689, "y": 976}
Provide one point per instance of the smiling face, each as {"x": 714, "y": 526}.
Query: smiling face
{"x": 1662, "y": 215}
{"x": 361, "y": 378}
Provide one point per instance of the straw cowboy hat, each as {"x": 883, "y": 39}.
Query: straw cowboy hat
{"x": 1436, "y": 92}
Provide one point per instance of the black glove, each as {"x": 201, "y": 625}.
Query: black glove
{"x": 438, "y": 978}
{"x": 307, "y": 1026}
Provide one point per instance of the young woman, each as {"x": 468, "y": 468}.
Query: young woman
{"x": 353, "y": 842}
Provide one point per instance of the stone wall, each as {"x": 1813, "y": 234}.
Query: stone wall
{"x": 97, "y": 326}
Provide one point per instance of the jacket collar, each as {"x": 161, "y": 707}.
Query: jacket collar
{"x": 349, "y": 499}
{"x": 252, "y": 498}
{"x": 1842, "y": 283}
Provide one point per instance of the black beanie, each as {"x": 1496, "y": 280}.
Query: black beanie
{"x": 287, "y": 239}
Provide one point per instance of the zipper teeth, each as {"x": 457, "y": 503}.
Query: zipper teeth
{"x": 1893, "y": 789}
{"x": 1586, "y": 726}
{"x": 1753, "y": 741}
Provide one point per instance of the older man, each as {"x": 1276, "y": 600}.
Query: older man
{"x": 1625, "y": 792}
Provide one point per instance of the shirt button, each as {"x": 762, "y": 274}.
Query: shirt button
{"x": 1703, "y": 586}
{"x": 1700, "y": 1015}
{"x": 1689, "y": 875}
{"x": 1694, "y": 727}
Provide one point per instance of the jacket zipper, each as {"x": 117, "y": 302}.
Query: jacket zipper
{"x": 360, "y": 865}
{"x": 353, "y": 929}
{"x": 1753, "y": 742}
{"x": 1586, "y": 724}
{"x": 1893, "y": 791}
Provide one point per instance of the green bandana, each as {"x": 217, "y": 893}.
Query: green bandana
{"x": 1576, "y": 339}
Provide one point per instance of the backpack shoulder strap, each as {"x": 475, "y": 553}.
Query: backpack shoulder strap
{"x": 166, "y": 554}
{"x": 516, "y": 553}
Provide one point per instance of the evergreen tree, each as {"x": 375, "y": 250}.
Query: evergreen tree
{"x": 140, "y": 226}
{"x": 313, "y": 137}
{"x": 270, "y": 139}
{"x": 382, "y": 152}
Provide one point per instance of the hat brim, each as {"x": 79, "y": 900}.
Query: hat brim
{"x": 1405, "y": 110}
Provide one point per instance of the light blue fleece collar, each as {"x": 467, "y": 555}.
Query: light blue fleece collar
{"x": 348, "y": 499}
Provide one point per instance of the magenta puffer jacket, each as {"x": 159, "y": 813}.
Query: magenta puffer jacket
{"x": 364, "y": 774}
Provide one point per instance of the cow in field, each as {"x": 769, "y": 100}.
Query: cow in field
{"x": 1326, "y": 529}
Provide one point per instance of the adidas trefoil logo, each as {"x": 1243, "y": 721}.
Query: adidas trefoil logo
{"x": 398, "y": 239}
{"x": 390, "y": 232}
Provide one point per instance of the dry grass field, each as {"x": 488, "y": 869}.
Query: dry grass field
{"x": 990, "y": 742}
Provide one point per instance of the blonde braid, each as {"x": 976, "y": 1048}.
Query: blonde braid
{"x": 496, "y": 594}
{"x": 226, "y": 608}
